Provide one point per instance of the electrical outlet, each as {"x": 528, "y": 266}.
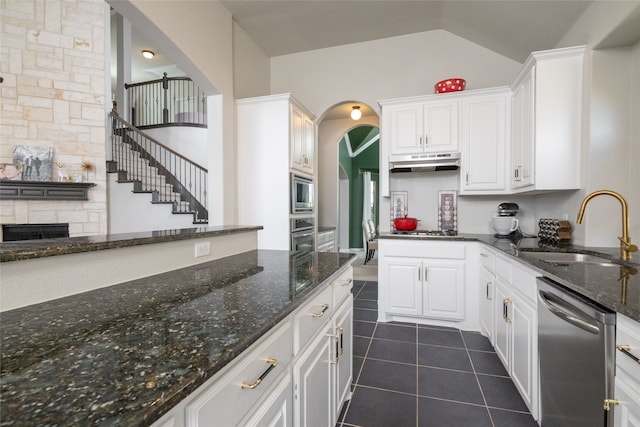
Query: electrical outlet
{"x": 203, "y": 249}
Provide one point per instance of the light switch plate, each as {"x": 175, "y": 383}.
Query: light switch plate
{"x": 203, "y": 249}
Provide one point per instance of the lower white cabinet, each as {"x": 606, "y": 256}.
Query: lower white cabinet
{"x": 277, "y": 409}
{"x": 323, "y": 371}
{"x": 312, "y": 381}
{"x": 516, "y": 333}
{"x": 424, "y": 287}
{"x": 486, "y": 284}
{"x": 627, "y": 380}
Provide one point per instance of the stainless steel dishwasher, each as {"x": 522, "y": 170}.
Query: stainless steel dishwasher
{"x": 576, "y": 343}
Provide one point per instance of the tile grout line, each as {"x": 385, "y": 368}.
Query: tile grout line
{"x": 475, "y": 375}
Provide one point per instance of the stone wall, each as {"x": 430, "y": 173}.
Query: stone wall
{"x": 52, "y": 61}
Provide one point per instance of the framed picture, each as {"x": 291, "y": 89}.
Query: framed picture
{"x": 10, "y": 172}
{"x": 36, "y": 163}
{"x": 399, "y": 207}
{"x": 447, "y": 211}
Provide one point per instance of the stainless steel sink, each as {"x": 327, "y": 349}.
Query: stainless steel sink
{"x": 565, "y": 258}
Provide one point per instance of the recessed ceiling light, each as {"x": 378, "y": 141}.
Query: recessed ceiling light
{"x": 356, "y": 113}
{"x": 148, "y": 54}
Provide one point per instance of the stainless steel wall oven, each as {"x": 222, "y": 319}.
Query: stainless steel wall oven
{"x": 303, "y": 237}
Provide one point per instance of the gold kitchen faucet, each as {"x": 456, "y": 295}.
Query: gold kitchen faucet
{"x": 626, "y": 248}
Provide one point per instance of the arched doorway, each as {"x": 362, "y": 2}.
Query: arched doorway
{"x": 333, "y": 183}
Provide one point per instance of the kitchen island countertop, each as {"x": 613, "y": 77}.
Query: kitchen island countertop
{"x": 616, "y": 288}
{"x": 126, "y": 354}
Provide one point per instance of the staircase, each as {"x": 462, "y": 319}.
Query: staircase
{"x": 155, "y": 169}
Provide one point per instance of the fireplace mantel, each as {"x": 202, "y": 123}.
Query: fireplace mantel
{"x": 35, "y": 190}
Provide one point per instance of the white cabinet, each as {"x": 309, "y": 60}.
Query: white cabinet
{"x": 302, "y": 140}
{"x": 322, "y": 372}
{"x": 276, "y": 410}
{"x": 422, "y": 281}
{"x": 425, "y": 288}
{"x": 427, "y": 125}
{"x": 547, "y": 122}
{"x": 271, "y": 131}
{"x": 486, "y": 284}
{"x": 485, "y": 126}
{"x": 312, "y": 391}
{"x": 627, "y": 380}
{"x": 326, "y": 241}
{"x": 516, "y": 328}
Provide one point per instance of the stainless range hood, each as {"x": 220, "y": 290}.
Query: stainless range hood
{"x": 427, "y": 162}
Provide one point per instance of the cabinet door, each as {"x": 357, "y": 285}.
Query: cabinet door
{"x": 522, "y": 140}
{"x": 484, "y": 136}
{"x": 443, "y": 290}
{"x": 440, "y": 126}
{"x": 627, "y": 411}
{"x": 276, "y": 410}
{"x": 312, "y": 382}
{"x": 524, "y": 351}
{"x": 308, "y": 144}
{"x": 404, "y": 282}
{"x": 486, "y": 303}
{"x": 297, "y": 139}
{"x": 406, "y": 129}
{"x": 343, "y": 329}
{"x": 502, "y": 336}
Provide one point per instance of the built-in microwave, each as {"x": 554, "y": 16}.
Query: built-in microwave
{"x": 301, "y": 194}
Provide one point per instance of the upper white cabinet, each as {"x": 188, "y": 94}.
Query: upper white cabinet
{"x": 546, "y": 122}
{"x": 422, "y": 126}
{"x": 302, "y": 140}
{"x": 271, "y": 131}
{"x": 485, "y": 127}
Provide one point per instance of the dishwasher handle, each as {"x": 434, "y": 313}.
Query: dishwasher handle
{"x": 567, "y": 313}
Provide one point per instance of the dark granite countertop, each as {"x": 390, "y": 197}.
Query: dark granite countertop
{"x": 30, "y": 249}
{"x": 126, "y": 354}
{"x": 326, "y": 229}
{"x": 616, "y": 288}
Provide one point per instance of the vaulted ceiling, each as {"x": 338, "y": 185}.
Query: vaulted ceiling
{"x": 512, "y": 28}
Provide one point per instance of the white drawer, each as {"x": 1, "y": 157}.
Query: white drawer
{"x": 524, "y": 281}
{"x": 423, "y": 249}
{"x": 487, "y": 258}
{"x": 503, "y": 268}
{"x": 309, "y": 318}
{"x": 225, "y": 400}
{"x": 342, "y": 286}
{"x": 628, "y": 347}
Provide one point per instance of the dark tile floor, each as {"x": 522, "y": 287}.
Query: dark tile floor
{"x": 414, "y": 375}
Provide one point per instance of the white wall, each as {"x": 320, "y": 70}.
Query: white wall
{"x": 388, "y": 68}
{"x": 190, "y": 142}
{"x": 251, "y": 66}
{"x": 132, "y": 212}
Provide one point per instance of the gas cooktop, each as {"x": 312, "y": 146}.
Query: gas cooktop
{"x": 430, "y": 233}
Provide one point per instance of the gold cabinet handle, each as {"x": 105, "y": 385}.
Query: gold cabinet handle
{"x": 347, "y": 282}
{"x": 325, "y": 307}
{"x": 337, "y": 338}
{"x": 487, "y": 286}
{"x": 482, "y": 254}
{"x": 626, "y": 349}
{"x": 609, "y": 402}
{"x": 272, "y": 364}
{"x": 505, "y": 310}
{"x": 341, "y": 334}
